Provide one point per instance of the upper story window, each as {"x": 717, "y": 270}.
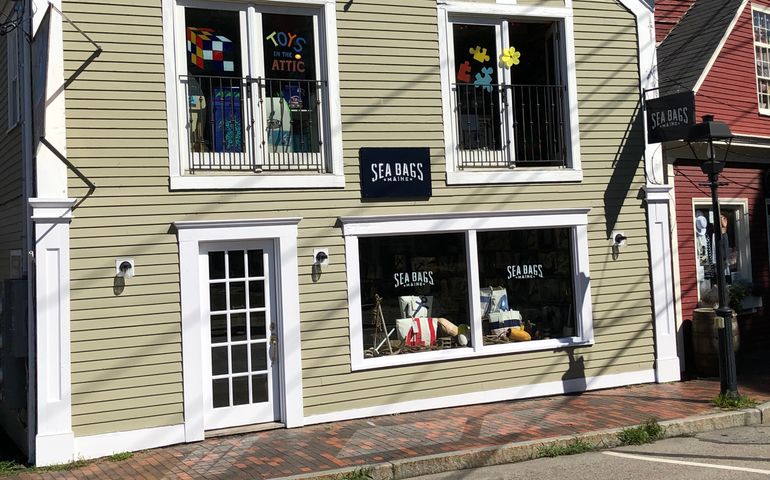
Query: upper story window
{"x": 255, "y": 88}
{"x": 512, "y": 97}
{"x": 762, "y": 56}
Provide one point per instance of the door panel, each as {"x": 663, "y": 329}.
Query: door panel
{"x": 240, "y": 376}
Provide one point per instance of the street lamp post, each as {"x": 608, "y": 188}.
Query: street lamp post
{"x": 709, "y": 132}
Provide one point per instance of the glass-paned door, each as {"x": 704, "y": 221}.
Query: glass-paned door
{"x": 241, "y": 381}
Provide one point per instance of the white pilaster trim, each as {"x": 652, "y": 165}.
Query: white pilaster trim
{"x": 662, "y": 278}
{"x": 54, "y": 442}
{"x": 191, "y": 234}
{"x": 490, "y": 396}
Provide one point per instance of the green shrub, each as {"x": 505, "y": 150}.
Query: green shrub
{"x": 574, "y": 447}
{"x": 647, "y": 432}
{"x": 120, "y": 456}
{"x": 734, "y": 402}
{"x": 357, "y": 474}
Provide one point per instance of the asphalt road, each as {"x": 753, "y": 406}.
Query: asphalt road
{"x": 736, "y": 453}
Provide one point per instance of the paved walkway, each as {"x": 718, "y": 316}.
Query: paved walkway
{"x": 319, "y": 448}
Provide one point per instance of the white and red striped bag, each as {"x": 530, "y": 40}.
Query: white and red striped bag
{"x": 417, "y": 332}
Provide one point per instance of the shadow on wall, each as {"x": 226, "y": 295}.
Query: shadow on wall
{"x": 574, "y": 379}
{"x": 624, "y": 167}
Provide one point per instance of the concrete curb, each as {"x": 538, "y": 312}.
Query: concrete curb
{"x": 521, "y": 451}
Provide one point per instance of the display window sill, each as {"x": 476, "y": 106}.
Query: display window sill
{"x": 469, "y": 352}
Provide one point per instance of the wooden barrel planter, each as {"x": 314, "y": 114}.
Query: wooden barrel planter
{"x": 706, "y": 342}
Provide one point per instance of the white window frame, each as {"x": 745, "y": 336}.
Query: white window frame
{"x": 383, "y": 226}
{"x": 12, "y": 62}
{"x": 766, "y": 46}
{"x": 451, "y": 12}
{"x": 743, "y": 233}
{"x": 173, "y": 20}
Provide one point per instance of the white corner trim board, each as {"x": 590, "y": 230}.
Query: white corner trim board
{"x": 490, "y": 396}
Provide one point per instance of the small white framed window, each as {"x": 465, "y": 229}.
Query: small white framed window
{"x": 254, "y": 94}
{"x": 735, "y": 245}
{"x": 761, "y": 23}
{"x": 441, "y": 287}
{"x": 12, "y": 61}
{"x": 509, "y": 93}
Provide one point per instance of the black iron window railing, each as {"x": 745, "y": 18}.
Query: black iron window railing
{"x": 506, "y": 126}
{"x": 254, "y": 124}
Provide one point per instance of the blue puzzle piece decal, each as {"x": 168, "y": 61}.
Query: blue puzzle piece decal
{"x": 484, "y": 79}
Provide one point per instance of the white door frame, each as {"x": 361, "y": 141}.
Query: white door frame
{"x": 283, "y": 233}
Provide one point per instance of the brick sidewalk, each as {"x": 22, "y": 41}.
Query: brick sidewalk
{"x": 280, "y": 453}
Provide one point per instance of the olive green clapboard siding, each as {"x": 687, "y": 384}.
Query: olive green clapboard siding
{"x": 11, "y": 201}
{"x": 126, "y": 349}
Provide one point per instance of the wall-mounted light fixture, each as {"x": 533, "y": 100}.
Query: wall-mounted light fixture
{"x": 619, "y": 239}
{"x": 124, "y": 268}
{"x": 320, "y": 261}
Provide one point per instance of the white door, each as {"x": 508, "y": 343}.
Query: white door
{"x": 240, "y": 351}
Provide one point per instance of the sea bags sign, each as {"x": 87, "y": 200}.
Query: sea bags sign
{"x": 670, "y": 117}
{"x": 395, "y": 172}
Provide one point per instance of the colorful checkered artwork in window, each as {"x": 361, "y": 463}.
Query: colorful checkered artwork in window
{"x": 210, "y": 52}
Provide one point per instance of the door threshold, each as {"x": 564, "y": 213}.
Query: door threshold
{"x": 259, "y": 427}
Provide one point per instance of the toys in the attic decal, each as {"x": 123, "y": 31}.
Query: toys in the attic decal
{"x": 284, "y": 54}
{"x": 210, "y": 52}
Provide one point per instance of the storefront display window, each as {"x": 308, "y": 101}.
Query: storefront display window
{"x": 526, "y": 278}
{"x": 414, "y": 293}
{"x": 472, "y": 286}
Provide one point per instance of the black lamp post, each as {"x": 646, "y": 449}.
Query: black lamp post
{"x": 710, "y": 132}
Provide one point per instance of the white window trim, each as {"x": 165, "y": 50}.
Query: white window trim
{"x": 283, "y": 231}
{"x": 333, "y": 144}
{"x": 469, "y": 223}
{"x": 12, "y": 63}
{"x": 754, "y": 44}
{"x": 744, "y": 234}
{"x": 572, "y": 173}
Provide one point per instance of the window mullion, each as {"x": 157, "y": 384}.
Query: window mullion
{"x": 472, "y": 256}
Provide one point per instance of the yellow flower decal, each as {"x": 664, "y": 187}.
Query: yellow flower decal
{"x": 510, "y": 57}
